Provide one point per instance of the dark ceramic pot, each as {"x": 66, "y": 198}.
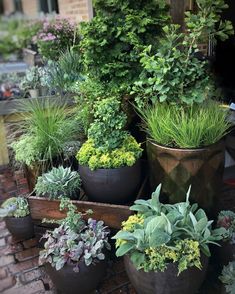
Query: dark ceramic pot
{"x": 167, "y": 282}
{"x": 115, "y": 186}
{"x": 177, "y": 169}
{"x": 84, "y": 282}
{"x": 225, "y": 253}
{"x": 20, "y": 227}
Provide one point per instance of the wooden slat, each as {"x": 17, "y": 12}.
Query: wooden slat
{"x": 112, "y": 215}
{"x": 4, "y": 158}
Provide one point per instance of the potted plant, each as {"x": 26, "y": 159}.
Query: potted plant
{"x": 166, "y": 246}
{"x": 226, "y": 253}
{"x": 75, "y": 252}
{"x": 109, "y": 163}
{"x": 31, "y": 81}
{"x": 59, "y": 182}
{"x": 16, "y": 214}
{"x": 173, "y": 95}
{"x": 228, "y": 278}
{"x": 47, "y": 126}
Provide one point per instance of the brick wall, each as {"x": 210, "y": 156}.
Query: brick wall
{"x": 30, "y": 7}
{"x": 77, "y": 10}
{"x": 12, "y": 183}
{"x": 8, "y": 6}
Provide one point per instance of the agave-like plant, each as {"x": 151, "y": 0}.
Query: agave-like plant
{"x": 59, "y": 181}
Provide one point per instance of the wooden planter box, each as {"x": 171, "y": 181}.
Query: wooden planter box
{"x": 112, "y": 215}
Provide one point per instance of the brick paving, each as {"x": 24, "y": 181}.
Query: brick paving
{"x": 21, "y": 274}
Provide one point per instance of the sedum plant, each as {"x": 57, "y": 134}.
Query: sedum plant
{"x": 75, "y": 241}
{"x": 160, "y": 234}
{"x": 58, "y": 182}
{"x": 109, "y": 145}
{"x": 228, "y": 277}
{"x": 174, "y": 73}
{"x": 226, "y": 219}
{"x": 15, "y": 207}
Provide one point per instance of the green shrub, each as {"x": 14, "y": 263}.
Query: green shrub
{"x": 160, "y": 234}
{"x": 112, "y": 40}
{"x": 58, "y": 182}
{"x": 173, "y": 72}
{"x": 109, "y": 145}
{"x": 185, "y": 127}
{"x": 15, "y": 207}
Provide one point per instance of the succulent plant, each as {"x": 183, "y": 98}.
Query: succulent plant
{"x": 15, "y": 207}
{"x": 228, "y": 277}
{"x": 58, "y": 182}
{"x": 226, "y": 219}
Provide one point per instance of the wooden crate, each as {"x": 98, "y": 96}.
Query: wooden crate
{"x": 112, "y": 215}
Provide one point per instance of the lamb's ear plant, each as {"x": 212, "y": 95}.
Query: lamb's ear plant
{"x": 58, "y": 182}
{"x": 164, "y": 233}
{"x": 228, "y": 277}
{"x": 14, "y": 207}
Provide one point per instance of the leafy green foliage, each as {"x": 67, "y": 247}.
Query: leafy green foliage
{"x": 106, "y": 131}
{"x": 75, "y": 241}
{"x": 160, "y": 231}
{"x": 58, "y": 182}
{"x": 185, "y": 127}
{"x": 109, "y": 145}
{"x": 47, "y": 127}
{"x": 228, "y": 277}
{"x": 173, "y": 73}
{"x": 126, "y": 155}
{"x": 226, "y": 219}
{"x": 15, "y": 207}
{"x": 32, "y": 79}
{"x": 112, "y": 40}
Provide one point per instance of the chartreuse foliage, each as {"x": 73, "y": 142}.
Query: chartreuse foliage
{"x": 75, "y": 241}
{"x": 15, "y": 207}
{"x": 112, "y": 40}
{"x": 109, "y": 145}
{"x": 194, "y": 126}
{"x": 228, "y": 277}
{"x": 164, "y": 233}
{"x": 172, "y": 72}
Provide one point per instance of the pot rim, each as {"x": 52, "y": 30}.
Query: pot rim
{"x": 107, "y": 169}
{"x": 21, "y": 217}
{"x": 220, "y": 142}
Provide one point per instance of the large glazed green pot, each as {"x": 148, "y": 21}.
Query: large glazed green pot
{"x": 177, "y": 169}
{"x": 167, "y": 282}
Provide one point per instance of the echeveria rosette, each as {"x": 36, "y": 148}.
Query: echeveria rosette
{"x": 226, "y": 219}
{"x": 15, "y": 207}
{"x": 160, "y": 234}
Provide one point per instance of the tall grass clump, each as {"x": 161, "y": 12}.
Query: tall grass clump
{"x": 47, "y": 126}
{"x": 193, "y": 126}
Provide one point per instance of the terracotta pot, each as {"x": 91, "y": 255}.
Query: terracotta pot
{"x": 84, "y": 282}
{"x": 20, "y": 227}
{"x": 167, "y": 282}
{"x": 116, "y": 186}
{"x": 177, "y": 169}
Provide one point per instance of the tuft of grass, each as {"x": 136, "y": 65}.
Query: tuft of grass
{"x": 194, "y": 126}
